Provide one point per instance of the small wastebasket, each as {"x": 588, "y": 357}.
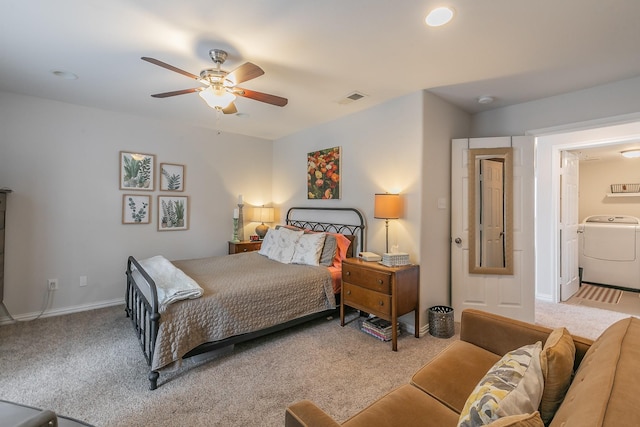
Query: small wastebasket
{"x": 441, "y": 321}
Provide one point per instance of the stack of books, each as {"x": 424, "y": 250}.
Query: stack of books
{"x": 378, "y": 328}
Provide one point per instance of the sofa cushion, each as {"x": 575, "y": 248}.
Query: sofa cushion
{"x": 405, "y": 406}
{"x": 605, "y": 388}
{"x": 521, "y": 420}
{"x": 452, "y": 375}
{"x": 512, "y": 386}
{"x": 556, "y": 360}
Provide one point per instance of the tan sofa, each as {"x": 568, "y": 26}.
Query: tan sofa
{"x": 604, "y": 390}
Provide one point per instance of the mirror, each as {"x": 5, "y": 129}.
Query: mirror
{"x": 491, "y": 211}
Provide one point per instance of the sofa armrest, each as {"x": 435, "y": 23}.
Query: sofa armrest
{"x": 306, "y": 414}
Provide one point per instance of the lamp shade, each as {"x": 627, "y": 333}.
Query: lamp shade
{"x": 262, "y": 214}
{"x": 387, "y": 206}
{"x": 217, "y": 98}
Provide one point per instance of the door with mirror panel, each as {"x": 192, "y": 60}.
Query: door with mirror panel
{"x": 503, "y": 286}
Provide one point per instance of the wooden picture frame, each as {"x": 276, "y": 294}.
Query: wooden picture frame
{"x": 173, "y": 213}
{"x": 172, "y": 177}
{"x": 136, "y": 209}
{"x": 136, "y": 171}
{"x": 324, "y": 174}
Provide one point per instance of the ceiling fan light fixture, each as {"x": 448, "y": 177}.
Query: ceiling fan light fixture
{"x": 217, "y": 98}
{"x": 439, "y": 16}
{"x": 631, "y": 154}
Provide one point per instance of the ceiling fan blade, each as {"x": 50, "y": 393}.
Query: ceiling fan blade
{"x": 176, "y": 92}
{"x": 246, "y": 71}
{"x": 230, "y": 109}
{"x": 170, "y": 67}
{"x": 262, "y": 97}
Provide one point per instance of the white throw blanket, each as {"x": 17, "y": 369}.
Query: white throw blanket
{"x": 171, "y": 282}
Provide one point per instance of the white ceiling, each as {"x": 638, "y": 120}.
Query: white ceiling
{"x": 313, "y": 52}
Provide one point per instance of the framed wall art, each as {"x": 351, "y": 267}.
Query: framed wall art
{"x": 324, "y": 174}
{"x": 136, "y": 171}
{"x": 173, "y": 213}
{"x": 136, "y": 209}
{"x": 171, "y": 177}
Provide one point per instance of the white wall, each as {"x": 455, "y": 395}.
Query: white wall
{"x": 596, "y": 177}
{"x": 64, "y": 216}
{"x": 442, "y": 122}
{"x": 400, "y": 146}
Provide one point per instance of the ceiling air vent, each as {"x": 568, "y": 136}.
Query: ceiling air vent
{"x": 353, "y": 96}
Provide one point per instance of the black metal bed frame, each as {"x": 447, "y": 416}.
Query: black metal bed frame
{"x": 142, "y": 307}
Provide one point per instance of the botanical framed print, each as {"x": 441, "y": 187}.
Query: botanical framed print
{"x": 136, "y": 171}
{"x": 171, "y": 177}
{"x": 324, "y": 174}
{"x": 136, "y": 209}
{"x": 173, "y": 213}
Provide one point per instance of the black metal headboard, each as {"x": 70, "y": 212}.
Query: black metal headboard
{"x": 307, "y": 217}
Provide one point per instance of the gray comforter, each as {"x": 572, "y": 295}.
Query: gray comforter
{"x": 242, "y": 293}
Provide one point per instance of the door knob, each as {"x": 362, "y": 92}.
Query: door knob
{"x": 458, "y": 240}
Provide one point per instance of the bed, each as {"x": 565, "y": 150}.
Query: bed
{"x": 242, "y": 296}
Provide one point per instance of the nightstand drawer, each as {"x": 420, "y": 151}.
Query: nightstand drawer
{"x": 245, "y": 246}
{"x": 367, "y": 300}
{"x": 378, "y": 281}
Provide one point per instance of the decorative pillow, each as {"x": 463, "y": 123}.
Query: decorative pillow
{"x": 308, "y": 248}
{"x": 341, "y": 253}
{"x": 523, "y": 420}
{"x": 556, "y": 359}
{"x": 285, "y": 244}
{"x": 269, "y": 242}
{"x": 512, "y": 386}
{"x": 328, "y": 250}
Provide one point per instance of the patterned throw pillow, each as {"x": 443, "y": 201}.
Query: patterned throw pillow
{"x": 269, "y": 242}
{"x": 308, "y": 248}
{"x": 523, "y": 420}
{"x": 328, "y": 250}
{"x": 556, "y": 360}
{"x": 284, "y": 246}
{"x": 512, "y": 386}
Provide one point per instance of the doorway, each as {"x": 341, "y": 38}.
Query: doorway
{"x": 549, "y": 147}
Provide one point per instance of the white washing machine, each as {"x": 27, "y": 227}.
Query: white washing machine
{"x": 609, "y": 250}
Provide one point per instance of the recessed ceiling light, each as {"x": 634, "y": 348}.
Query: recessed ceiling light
{"x": 630, "y": 154}
{"x": 439, "y": 16}
{"x": 485, "y": 99}
{"x": 67, "y": 75}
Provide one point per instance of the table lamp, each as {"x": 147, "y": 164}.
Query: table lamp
{"x": 387, "y": 206}
{"x": 262, "y": 215}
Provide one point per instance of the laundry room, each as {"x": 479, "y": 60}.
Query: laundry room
{"x": 609, "y": 216}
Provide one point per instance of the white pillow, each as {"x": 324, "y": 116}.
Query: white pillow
{"x": 285, "y": 244}
{"x": 308, "y": 249}
{"x": 269, "y": 242}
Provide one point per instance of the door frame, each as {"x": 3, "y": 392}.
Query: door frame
{"x": 548, "y": 146}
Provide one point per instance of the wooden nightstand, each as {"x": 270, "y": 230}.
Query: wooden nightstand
{"x": 244, "y": 246}
{"x": 387, "y": 292}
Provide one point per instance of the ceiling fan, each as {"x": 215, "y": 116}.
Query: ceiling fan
{"x": 220, "y": 88}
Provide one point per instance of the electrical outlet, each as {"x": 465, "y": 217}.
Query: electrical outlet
{"x": 83, "y": 281}
{"x": 52, "y": 284}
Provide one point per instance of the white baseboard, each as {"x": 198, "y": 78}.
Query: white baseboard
{"x": 4, "y": 320}
{"x": 410, "y": 328}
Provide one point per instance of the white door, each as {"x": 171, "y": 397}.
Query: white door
{"x": 508, "y": 295}
{"x": 568, "y": 227}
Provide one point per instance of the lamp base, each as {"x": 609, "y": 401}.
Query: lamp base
{"x": 261, "y": 230}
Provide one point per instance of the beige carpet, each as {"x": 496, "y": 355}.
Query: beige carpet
{"x": 89, "y": 366}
